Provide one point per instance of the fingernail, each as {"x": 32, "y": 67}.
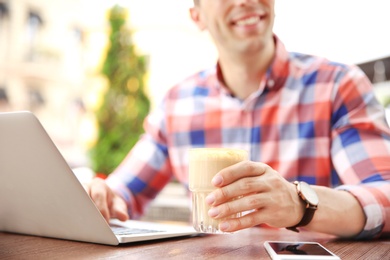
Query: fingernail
{"x": 213, "y": 212}
{"x": 217, "y": 180}
{"x": 210, "y": 199}
{"x": 224, "y": 226}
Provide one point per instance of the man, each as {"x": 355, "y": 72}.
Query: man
{"x": 300, "y": 117}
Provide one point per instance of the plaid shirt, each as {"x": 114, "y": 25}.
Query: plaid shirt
{"x": 311, "y": 120}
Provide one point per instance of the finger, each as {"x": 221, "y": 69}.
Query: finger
{"x": 243, "y": 204}
{"x": 119, "y": 209}
{"x": 86, "y": 188}
{"x": 273, "y": 218}
{"x": 242, "y": 187}
{"x": 237, "y": 171}
{"x": 100, "y": 194}
{"x": 249, "y": 220}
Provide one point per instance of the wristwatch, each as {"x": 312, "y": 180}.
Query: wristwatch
{"x": 310, "y": 198}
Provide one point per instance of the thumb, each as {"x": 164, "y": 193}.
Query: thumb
{"x": 119, "y": 209}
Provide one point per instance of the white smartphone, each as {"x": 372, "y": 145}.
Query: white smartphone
{"x": 279, "y": 250}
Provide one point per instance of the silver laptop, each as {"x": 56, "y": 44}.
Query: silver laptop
{"x": 41, "y": 196}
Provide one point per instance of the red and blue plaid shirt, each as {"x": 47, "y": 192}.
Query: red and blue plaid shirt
{"x": 311, "y": 120}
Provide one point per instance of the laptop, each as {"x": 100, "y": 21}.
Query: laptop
{"x": 41, "y": 196}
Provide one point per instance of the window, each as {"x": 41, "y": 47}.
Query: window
{"x": 34, "y": 26}
{"x": 3, "y": 95}
{"x": 35, "y": 98}
{"x": 4, "y": 30}
{"x": 3, "y": 11}
{"x": 4, "y": 102}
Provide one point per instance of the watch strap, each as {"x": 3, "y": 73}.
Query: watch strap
{"x": 307, "y": 215}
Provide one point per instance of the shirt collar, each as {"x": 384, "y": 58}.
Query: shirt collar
{"x": 278, "y": 71}
{"x": 276, "y": 74}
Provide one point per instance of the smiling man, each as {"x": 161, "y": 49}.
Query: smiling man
{"x": 318, "y": 141}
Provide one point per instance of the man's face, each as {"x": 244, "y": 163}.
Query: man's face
{"x": 236, "y": 25}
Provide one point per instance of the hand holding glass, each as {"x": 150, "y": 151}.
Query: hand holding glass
{"x": 204, "y": 163}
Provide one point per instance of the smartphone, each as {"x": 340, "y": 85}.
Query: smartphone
{"x": 279, "y": 250}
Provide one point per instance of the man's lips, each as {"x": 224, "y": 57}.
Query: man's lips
{"x": 248, "y": 20}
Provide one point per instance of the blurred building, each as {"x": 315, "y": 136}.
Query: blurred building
{"x": 50, "y": 58}
{"x": 51, "y": 53}
{"x": 47, "y": 65}
{"x": 378, "y": 71}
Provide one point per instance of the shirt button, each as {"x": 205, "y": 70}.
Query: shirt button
{"x": 271, "y": 83}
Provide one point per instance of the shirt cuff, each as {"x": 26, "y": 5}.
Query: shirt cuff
{"x": 372, "y": 210}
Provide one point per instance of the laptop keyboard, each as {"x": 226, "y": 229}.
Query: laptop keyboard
{"x": 121, "y": 231}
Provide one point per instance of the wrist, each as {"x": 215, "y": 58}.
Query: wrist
{"x": 309, "y": 203}
{"x": 300, "y": 208}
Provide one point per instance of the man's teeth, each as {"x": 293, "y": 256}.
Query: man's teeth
{"x": 248, "y": 21}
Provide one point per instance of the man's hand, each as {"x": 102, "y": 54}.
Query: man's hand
{"x": 257, "y": 188}
{"x": 110, "y": 204}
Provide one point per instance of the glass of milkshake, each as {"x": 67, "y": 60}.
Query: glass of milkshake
{"x": 204, "y": 163}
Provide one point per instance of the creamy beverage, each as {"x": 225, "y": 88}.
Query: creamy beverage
{"x": 204, "y": 163}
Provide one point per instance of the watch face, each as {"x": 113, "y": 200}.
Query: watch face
{"x": 308, "y": 193}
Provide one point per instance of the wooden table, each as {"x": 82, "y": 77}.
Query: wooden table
{"x": 246, "y": 244}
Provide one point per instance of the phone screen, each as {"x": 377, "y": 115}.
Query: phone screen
{"x": 299, "y": 249}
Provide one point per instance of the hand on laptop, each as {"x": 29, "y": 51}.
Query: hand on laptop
{"x": 110, "y": 204}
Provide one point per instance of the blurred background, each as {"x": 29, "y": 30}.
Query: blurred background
{"x": 60, "y": 59}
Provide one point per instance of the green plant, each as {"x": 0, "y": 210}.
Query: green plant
{"x": 125, "y": 104}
